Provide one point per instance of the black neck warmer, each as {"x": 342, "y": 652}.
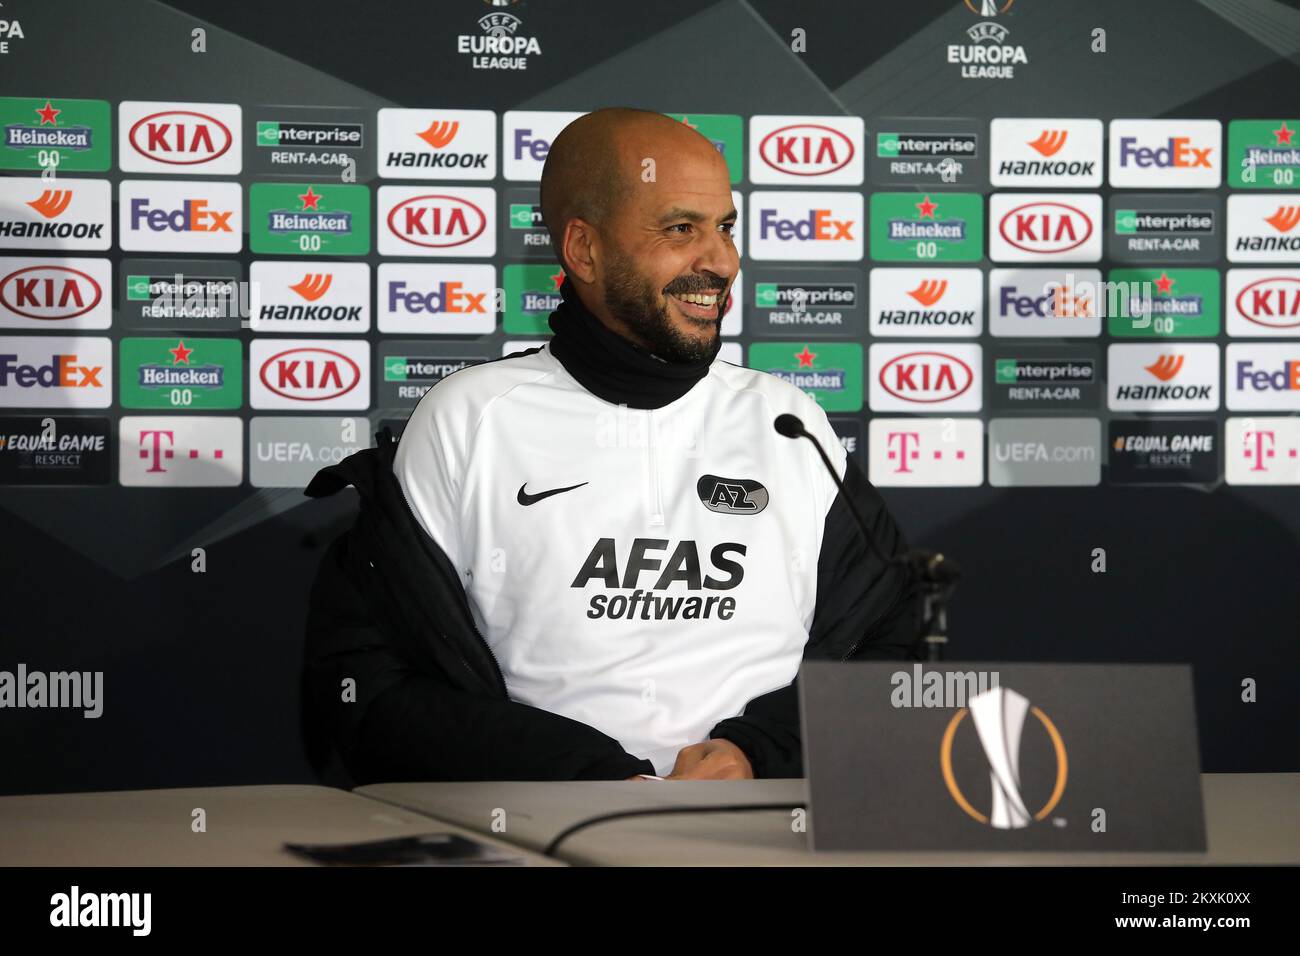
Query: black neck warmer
{"x": 612, "y": 367}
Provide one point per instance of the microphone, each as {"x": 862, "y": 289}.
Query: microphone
{"x": 937, "y": 574}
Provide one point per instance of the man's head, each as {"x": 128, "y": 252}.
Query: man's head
{"x": 639, "y": 210}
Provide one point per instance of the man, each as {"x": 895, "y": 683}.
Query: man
{"x": 598, "y": 559}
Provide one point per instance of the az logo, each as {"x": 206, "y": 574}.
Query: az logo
{"x": 733, "y": 496}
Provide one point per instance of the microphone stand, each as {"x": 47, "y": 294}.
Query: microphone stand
{"x": 936, "y": 575}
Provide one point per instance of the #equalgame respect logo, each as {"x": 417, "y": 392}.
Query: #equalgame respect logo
{"x": 437, "y": 221}
{"x": 1262, "y": 451}
{"x": 526, "y": 137}
{"x": 50, "y": 295}
{"x": 927, "y": 302}
{"x": 1157, "y": 451}
{"x": 54, "y": 450}
{"x": 1045, "y": 152}
{"x": 1184, "y": 303}
{"x": 1166, "y": 154}
{"x": 62, "y": 135}
{"x": 1264, "y": 154}
{"x": 1263, "y": 377}
{"x": 191, "y": 451}
{"x": 803, "y": 226}
{"x": 180, "y": 139}
{"x": 443, "y": 298}
{"x": 935, "y": 379}
{"x": 830, "y": 373}
{"x": 532, "y": 294}
{"x": 1264, "y": 228}
{"x": 310, "y": 374}
{"x": 180, "y": 373}
{"x": 62, "y": 215}
{"x": 56, "y": 372}
{"x": 925, "y": 452}
{"x": 1055, "y": 303}
{"x": 806, "y": 150}
{"x": 1044, "y": 227}
{"x": 1163, "y": 378}
{"x": 1263, "y": 302}
{"x": 919, "y": 227}
{"x": 177, "y": 216}
{"x": 726, "y": 131}
{"x": 309, "y": 219}
{"x": 313, "y": 297}
{"x": 437, "y": 144}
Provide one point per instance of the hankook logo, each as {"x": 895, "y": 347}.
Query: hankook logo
{"x": 999, "y": 715}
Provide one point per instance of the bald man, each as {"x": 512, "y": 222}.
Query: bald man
{"x": 596, "y": 559}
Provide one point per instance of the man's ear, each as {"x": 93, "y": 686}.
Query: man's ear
{"x": 580, "y": 250}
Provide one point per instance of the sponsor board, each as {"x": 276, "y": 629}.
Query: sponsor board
{"x": 442, "y": 298}
{"x": 1167, "y": 377}
{"x": 853, "y": 437}
{"x": 1263, "y": 227}
{"x": 1156, "y": 451}
{"x": 1262, "y": 303}
{"x": 189, "y": 451}
{"x": 927, "y": 302}
{"x": 726, "y": 131}
{"x": 1264, "y": 154}
{"x": 52, "y": 371}
{"x": 188, "y": 294}
{"x": 1036, "y": 303}
{"x": 925, "y": 452}
{"x": 286, "y": 451}
{"x": 292, "y": 219}
{"x": 313, "y": 297}
{"x": 1044, "y": 227}
{"x": 811, "y": 301}
{"x": 1056, "y": 452}
{"x": 526, "y": 137}
{"x": 1052, "y": 153}
{"x": 54, "y": 450}
{"x": 162, "y": 215}
{"x": 179, "y": 139}
{"x": 437, "y": 221}
{"x": 1033, "y": 377}
{"x": 523, "y": 232}
{"x": 927, "y": 152}
{"x": 311, "y": 142}
{"x": 927, "y": 227}
{"x": 803, "y": 226}
{"x": 437, "y": 144}
{"x": 1262, "y": 451}
{"x": 829, "y": 372}
{"x": 405, "y": 370}
{"x": 806, "y": 150}
{"x": 1262, "y": 376}
{"x": 178, "y": 373}
{"x": 47, "y": 294}
{"x": 1153, "y": 227}
{"x": 314, "y": 374}
{"x": 67, "y": 215}
{"x": 61, "y": 135}
{"x": 1165, "y": 153}
{"x": 1163, "y": 303}
{"x": 933, "y": 378}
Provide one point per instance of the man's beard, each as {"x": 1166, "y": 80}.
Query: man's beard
{"x": 634, "y": 300}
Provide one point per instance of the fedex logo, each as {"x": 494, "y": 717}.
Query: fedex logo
{"x": 1263, "y": 377}
{"x": 1165, "y": 154}
{"x": 1044, "y": 302}
{"x": 165, "y": 216}
{"x": 526, "y": 136}
{"x": 442, "y": 298}
{"x": 55, "y": 372}
{"x": 801, "y": 225}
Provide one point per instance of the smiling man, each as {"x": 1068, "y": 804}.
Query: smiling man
{"x": 603, "y": 562}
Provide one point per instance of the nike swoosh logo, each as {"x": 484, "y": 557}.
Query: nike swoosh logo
{"x": 524, "y": 498}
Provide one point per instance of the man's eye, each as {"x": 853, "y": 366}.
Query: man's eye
{"x": 729, "y": 227}
{"x": 680, "y": 225}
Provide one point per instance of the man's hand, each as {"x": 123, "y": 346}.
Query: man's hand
{"x": 716, "y": 759}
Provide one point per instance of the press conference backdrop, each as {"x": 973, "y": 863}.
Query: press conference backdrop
{"x": 931, "y": 194}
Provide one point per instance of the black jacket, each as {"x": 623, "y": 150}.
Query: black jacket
{"x": 387, "y": 611}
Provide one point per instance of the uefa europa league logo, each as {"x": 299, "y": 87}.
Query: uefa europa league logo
{"x": 999, "y": 716}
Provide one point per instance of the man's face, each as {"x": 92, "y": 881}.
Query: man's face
{"x": 670, "y": 257}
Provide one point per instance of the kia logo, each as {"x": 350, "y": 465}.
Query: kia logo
{"x": 926, "y": 377}
{"x": 806, "y": 149}
{"x": 1273, "y": 302}
{"x": 310, "y": 374}
{"x": 180, "y": 137}
{"x": 436, "y": 221}
{"x": 1045, "y": 227}
{"x": 58, "y": 291}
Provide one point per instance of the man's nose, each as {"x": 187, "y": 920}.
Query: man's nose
{"x": 718, "y": 256}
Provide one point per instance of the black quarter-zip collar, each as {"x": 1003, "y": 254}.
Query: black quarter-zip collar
{"x": 612, "y": 367}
